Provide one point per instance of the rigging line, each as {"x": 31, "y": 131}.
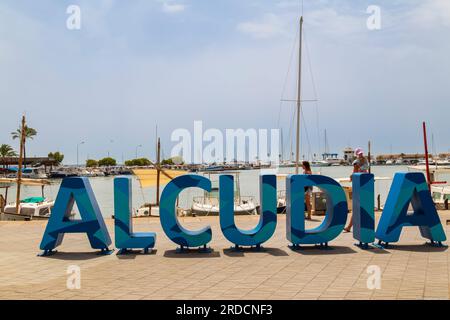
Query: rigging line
{"x": 286, "y": 78}
{"x": 314, "y": 90}
{"x": 306, "y": 131}
{"x": 291, "y": 125}
{"x": 142, "y": 194}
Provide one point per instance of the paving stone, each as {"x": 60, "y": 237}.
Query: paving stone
{"x": 409, "y": 270}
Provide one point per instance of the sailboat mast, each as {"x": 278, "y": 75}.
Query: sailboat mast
{"x": 19, "y": 171}
{"x": 299, "y": 88}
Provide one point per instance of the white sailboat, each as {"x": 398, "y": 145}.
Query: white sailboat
{"x": 208, "y": 204}
{"x": 440, "y": 192}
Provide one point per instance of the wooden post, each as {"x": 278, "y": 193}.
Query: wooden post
{"x": 19, "y": 171}
{"x": 368, "y": 154}
{"x": 158, "y": 172}
{"x": 379, "y": 202}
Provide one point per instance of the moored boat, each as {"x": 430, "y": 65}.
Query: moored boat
{"x": 208, "y": 204}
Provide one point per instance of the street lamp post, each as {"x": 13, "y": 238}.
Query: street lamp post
{"x": 139, "y": 146}
{"x": 78, "y": 147}
{"x": 111, "y": 142}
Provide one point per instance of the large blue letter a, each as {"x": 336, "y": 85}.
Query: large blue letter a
{"x": 409, "y": 188}
{"x": 75, "y": 190}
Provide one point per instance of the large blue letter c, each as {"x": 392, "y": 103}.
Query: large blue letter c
{"x": 168, "y": 216}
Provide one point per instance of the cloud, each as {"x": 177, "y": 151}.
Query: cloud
{"x": 269, "y": 26}
{"x": 288, "y": 4}
{"x": 173, "y": 7}
{"x": 107, "y": 71}
{"x": 431, "y": 13}
{"x": 333, "y": 22}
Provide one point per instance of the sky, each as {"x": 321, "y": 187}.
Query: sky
{"x": 140, "y": 63}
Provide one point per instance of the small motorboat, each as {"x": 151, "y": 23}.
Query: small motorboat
{"x": 29, "y": 209}
{"x": 441, "y": 195}
{"x": 34, "y": 208}
{"x": 63, "y": 173}
{"x": 208, "y": 204}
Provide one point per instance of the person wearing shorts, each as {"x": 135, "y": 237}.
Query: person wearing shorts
{"x": 308, "y": 190}
{"x": 361, "y": 164}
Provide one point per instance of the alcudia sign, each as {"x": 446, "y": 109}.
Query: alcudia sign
{"x": 406, "y": 189}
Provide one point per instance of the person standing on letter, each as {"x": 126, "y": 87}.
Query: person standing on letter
{"x": 360, "y": 165}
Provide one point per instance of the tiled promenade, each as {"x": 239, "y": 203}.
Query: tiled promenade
{"x": 410, "y": 270}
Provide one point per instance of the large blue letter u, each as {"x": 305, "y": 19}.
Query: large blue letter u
{"x": 267, "y": 221}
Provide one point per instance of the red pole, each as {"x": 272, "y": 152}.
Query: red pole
{"x": 426, "y": 154}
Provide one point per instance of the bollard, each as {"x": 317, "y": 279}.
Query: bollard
{"x": 446, "y": 204}
{"x": 379, "y": 202}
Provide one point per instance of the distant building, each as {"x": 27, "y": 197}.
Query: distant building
{"x": 29, "y": 161}
{"x": 349, "y": 155}
{"x": 403, "y": 158}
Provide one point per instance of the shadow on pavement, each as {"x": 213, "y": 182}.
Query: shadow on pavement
{"x": 74, "y": 256}
{"x": 276, "y": 252}
{"x": 191, "y": 253}
{"x": 133, "y": 253}
{"x": 313, "y": 250}
{"x": 417, "y": 248}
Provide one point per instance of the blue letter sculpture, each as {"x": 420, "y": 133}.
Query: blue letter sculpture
{"x": 336, "y": 214}
{"x": 168, "y": 216}
{"x": 125, "y": 238}
{"x": 363, "y": 208}
{"x": 410, "y": 188}
{"x": 267, "y": 222}
{"x": 76, "y": 190}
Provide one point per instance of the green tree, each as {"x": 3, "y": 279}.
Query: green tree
{"x": 141, "y": 162}
{"x": 167, "y": 162}
{"x": 90, "y": 163}
{"x": 6, "y": 151}
{"x": 30, "y": 133}
{"x": 105, "y": 162}
{"x": 172, "y": 161}
{"x": 57, "y": 156}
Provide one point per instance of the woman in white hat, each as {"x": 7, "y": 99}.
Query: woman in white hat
{"x": 361, "y": 164}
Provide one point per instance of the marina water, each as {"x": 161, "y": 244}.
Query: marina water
{"x": 249, "y": 182}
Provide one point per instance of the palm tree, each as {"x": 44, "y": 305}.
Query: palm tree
{"x": 30, "y": 133}
{"x": 57, "y": 156}
{"x": 6, "y": 151}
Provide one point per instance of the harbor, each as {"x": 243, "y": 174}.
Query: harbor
{"x": 238, "y": 151}
{"x": 148, "y": 179}
{"x": 103, "y": 185}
